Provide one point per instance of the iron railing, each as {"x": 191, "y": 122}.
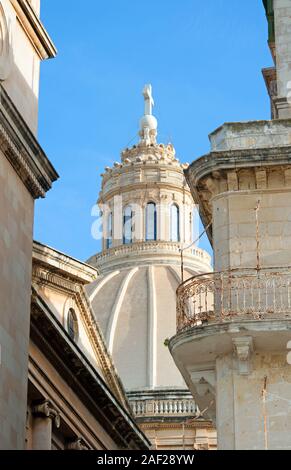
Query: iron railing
{"x": 223, "y": 296}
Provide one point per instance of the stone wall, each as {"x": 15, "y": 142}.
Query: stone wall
{"x": 245, "y": 422}
{"x": 16, "y": 221}
{"x": 237, "y": 243}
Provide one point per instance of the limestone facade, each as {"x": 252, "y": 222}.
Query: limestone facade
{"x": 25, "y": 174}
{"x": 232, "y": 346}
{"x": 75, "y": 398}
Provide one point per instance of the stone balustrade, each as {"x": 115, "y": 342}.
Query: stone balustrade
{"x": 171, "y": 407}
{"x": 159, "y": 247}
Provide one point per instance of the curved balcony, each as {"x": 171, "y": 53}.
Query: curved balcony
{"x": 236, "y": 294}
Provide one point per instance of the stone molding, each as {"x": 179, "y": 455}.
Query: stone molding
{"x": 63, "y": 264}
{"x": 34, "y": 29}
{"x": 159, "y": 252}
{"x": 152, "y": 152}
{"x": 231, "y": 171}
{"x": 45, "y": 409}
{"x": 22, "y": 150}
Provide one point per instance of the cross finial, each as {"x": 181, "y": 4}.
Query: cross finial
{"x": 149, "y": 101}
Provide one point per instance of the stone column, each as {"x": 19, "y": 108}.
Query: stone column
{"x": 44, "y": 418}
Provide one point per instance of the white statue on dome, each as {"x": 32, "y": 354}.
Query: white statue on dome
{"x": 149, "y": 101}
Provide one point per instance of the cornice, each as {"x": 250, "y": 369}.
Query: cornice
{"x": 149, "y": 253}
{"x": 34, "y": 29}
{"x": 199, "y": 424}
{"x": 218, "y": 172}
{"x": 63, "y": 264}
{"x": 22, "y": 150}
{"x": 237, "y": 159}
{"x": 143, "y": 186}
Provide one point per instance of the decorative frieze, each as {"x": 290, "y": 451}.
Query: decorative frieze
{"x": 23, "y": 151}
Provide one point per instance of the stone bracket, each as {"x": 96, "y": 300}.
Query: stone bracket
{"x": 46, "y": 410}
{"x": 243, "y": 349}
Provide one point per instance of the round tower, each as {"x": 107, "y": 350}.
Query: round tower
{"x": 148, "y": 217}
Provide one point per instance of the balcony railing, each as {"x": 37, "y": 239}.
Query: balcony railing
{"x": 225, "y": 296}
{"x": 169, "y": 407}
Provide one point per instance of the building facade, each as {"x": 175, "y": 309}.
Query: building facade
{"x": 25, "y": 175}
{"x": 148, "y": 218}
{"x": 58, "y": 386}
{"x": 234, "y": 324}
{"x": 75, "y": 398}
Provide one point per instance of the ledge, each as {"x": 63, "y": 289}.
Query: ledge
{"x": 34, "y": 29}
{"x": 145, "y": 253}
{"x": 23, "y": 151}
{"x": 64, "y": 264}
{"x": 251, "y": 135}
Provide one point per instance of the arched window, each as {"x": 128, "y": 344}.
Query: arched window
{"x": 127, "y": 226}
{"x": 109, "y": 231}
{"x": 72, "y": 324}
{"x": 175, "y": 223}
{"x": 151, "y": 221}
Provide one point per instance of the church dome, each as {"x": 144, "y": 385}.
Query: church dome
{"x": 148, "y": 217}
{"x": 136, "y": 308}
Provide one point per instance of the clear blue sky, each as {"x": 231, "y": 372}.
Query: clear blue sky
{"x": 203, "y": 58}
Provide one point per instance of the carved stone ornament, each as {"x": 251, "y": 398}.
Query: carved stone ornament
{"x": 46, "y": 410}
{"x": 6, "y": 50}
{"x": 78, "y": 444}
{"x": 243, "y": 349}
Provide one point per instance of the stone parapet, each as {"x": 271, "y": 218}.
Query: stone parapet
{"x": 143, "y": 253}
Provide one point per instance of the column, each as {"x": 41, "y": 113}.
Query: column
{"x": 44, "y": 417}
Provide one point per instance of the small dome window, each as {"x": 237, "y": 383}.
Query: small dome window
{"x": 151, "y": 222}
{"x": 127, "y": 226}
{"x": 175, "y": 223}
{"x": 72, "y": 324}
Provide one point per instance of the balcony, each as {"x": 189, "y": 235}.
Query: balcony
{"x": 162, "y": 404}
{"x": 243, "y": 294}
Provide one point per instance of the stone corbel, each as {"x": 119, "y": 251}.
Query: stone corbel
{"x": 78, "y": 444}
{"x": 261, "y": 179}
{"x": 243, "y": 349}
{"x": 212, "y": 186}
{"x": 46, "y": 410}
{"x": 232, "y": 181}
{"x": 287, "y": 173}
